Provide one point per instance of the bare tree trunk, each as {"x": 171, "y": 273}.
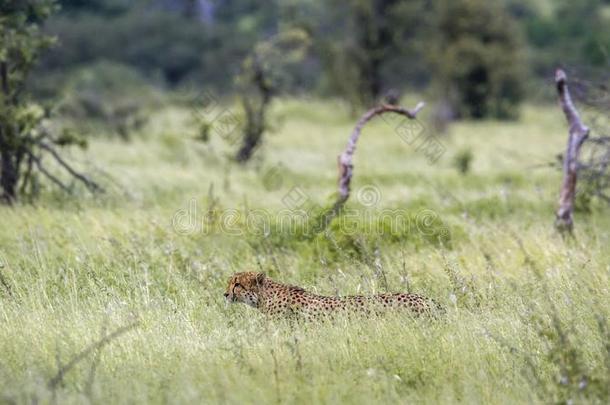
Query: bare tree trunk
{"x": 255, "y": 115}
{"x": 374, "y": 35}
{"x": 578, "y": 134}
{"x": 8, "y": 170}
{"x": 346, "y": 168}
{"x": 8, "y": 176}
{"x": 253, "y": 132}
{"x": 4, "y": 79}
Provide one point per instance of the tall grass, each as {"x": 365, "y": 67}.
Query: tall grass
{"x": 527, "y": 312}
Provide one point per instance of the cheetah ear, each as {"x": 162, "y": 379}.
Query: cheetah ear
{"x": 260, "y": 277}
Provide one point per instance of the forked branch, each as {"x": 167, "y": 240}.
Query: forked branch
{"x": 47, "y": 173}
{"x": 90, "y": 184}
{"x": 578, "y": 133}
{"x": 83, "y": 354}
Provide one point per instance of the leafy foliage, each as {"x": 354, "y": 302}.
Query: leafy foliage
{"x": 107, "y": 96}
{"x": 159, "y": 40}
{"x": 478, "y": 58}
{"x": 24, "y": 137}
{"x": 574, "y": 33}
{"x": 365, "y": 46}
{"x": 463, "y": 160}
{"x": 262, "y": 77}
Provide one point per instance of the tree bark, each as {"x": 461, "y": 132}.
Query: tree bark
{"x": 8, "y": 165}
{"x": 253, "y": 131}
{"x": 4, "y": 79}
{"x": 8, "y": 178}
{"x": 255, "y": 114}
{"x": 578, "y": 133}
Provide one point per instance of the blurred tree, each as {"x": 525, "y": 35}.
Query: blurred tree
{"x": 263, "y": 76}
{"x": 23, "y": 138}
{"x": 356, "y": 38}
{"x": 583, "y": 26}
{"x": 364, "y": 45}
{"x": 179, "y": 41}
{"x": 105, "y": 7}
{"x": 107, "y": 98}
{"x": 478, "y": 58}
{"x": 156, "y": 43}
{"x": 569, "y": 33}
{"x": 371, "y": 46}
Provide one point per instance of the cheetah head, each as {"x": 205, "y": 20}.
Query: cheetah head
{"x": 245, "y": 288}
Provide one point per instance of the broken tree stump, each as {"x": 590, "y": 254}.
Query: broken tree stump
{"x": 578, "y": 133}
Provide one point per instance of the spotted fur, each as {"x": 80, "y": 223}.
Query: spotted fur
{"x": 273, "y": 298}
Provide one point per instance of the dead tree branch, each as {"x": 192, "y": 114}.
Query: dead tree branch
{"x": 91, "y": 185}
{"x": 47, "y": 173}
{"x": 578, "y": 133}
{"x": 58, "y": 378}
{"x": 346, "y": 167}
{"x": 255, "y": 107}
{"x": 344, "y": 161}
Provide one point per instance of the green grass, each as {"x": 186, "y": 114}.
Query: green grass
{"x": 527, "y": 312}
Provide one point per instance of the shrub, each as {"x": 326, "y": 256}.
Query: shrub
{"x": 478, "y": 58}
{"x": 109, "y": 95}
{"x": 462, "y": 161}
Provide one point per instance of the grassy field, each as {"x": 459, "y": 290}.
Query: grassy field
{"x": 527, "y": 312}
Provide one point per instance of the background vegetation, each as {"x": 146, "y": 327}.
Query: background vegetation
{"x": 390, "y": 42}
{"x": 149, "y": 88}
{"x": 526, "y": 312}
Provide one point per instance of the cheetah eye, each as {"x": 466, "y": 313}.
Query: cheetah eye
{"x": 238, "y": 285}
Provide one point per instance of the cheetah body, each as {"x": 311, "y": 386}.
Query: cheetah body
{"x": 273, "y": 298}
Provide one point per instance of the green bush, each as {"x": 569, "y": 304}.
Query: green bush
{"x": 109, "y": 95}
{"x": 158, "y": 40}
{"x": 478, "y": 58}
{"x": 463, "y": 160}
{"x": 155, "y": 43}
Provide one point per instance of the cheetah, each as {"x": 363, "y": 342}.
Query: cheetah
{"x": 276, "y": 299}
